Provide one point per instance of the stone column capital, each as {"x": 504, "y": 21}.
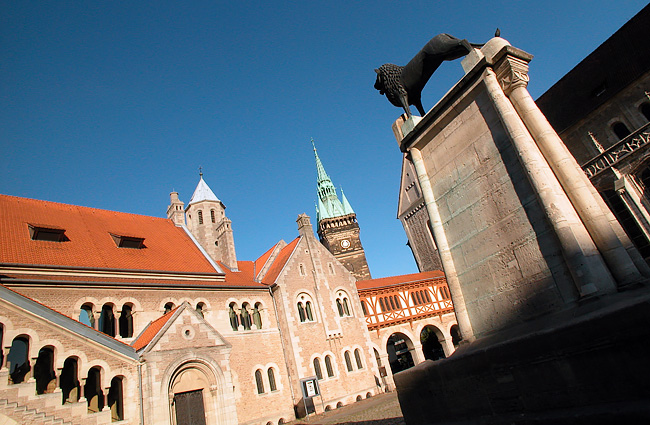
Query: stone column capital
{"x": 511, "y": 68}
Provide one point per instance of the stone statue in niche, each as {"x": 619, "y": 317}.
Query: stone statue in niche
{"x": 403, "y": 85}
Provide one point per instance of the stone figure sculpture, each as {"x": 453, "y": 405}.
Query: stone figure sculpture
{"x": 403, "y": 85}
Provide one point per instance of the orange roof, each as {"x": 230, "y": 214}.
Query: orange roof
{"x": 152, "y": 330}
{"x": 244, "y": 277}
{"x": 90, "y": 244}
{"x": 399, "y": 280}
{"x": 279, "y": 262}
{"x": 260, "y": 262}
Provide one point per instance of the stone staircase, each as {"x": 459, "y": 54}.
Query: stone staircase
{"x": 21, "y": 403}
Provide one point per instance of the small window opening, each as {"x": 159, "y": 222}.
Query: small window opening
{"x": 50, "y": 234}
{"x": 317, "y": 369}
{"x": 620, "y": 130}
{"x": 259, "y": 382}
{"x": 212, "y": 217}
{"x": 645, "y": 110}
{"x": 128, "y": 241}
{"x": 328, "y": 366}
{"x": 272, "y": 384}
{"x": 200, "y": 217}
{"x": 169, "y": 307}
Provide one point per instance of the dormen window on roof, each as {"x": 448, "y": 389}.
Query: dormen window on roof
{"x": 47, "y": 233}
{"x": 128, "y": 241}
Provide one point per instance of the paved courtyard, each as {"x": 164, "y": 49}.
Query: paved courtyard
{"x": 382, "y": 409}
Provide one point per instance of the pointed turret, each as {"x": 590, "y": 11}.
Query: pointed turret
{"x": 206, "y": 219}
{"x": 337, "y": 224}
{"x": 329, "y": 204}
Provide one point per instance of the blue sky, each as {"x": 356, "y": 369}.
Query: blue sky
{"x": 115, "y": 104}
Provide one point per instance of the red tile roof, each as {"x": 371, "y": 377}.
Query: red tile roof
{"x": 260, "y": 262}
{"x": 398, "y": 280}
{"x": 244, "y": 277}
{"x": 152, "y": 330}
{"x": 90, "y": 244}
{"x": 279, "y": 262}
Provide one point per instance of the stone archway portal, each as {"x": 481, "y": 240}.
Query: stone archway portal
{"x": 189, "y": 408}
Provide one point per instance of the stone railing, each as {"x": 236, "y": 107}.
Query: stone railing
{"x": 618, "y": 152}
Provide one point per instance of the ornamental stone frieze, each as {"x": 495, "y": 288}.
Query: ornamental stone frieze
{"x": 619, "y": 152}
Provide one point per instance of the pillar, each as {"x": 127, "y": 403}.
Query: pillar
{"x": 512, "y": 71}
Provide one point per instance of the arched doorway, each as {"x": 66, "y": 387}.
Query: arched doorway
{"x": 399, "y": 347}
{"x": 194, "y": 395}
{"x": 431, "y": 347}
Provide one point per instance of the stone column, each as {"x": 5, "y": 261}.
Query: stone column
{"x": 587, "y": 268}
{"x": 417, "y": 353}
{"x": 57, "y": 378}
{"x": 443, "y": 246}
{"x": 82, "y": 390}
{"x": 448, "y": 346}
{"x": 632, "y": 199}
{"x": 96, "y": 315}
{"x": 5, "y": 353}
{"x": 512, "y": 71}
{"x": 106, "y": 406}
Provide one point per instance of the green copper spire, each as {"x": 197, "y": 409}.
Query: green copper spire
{"x": 329, "y": 205}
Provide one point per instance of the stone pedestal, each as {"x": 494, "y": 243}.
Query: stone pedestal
{"x": 526, "y": 243}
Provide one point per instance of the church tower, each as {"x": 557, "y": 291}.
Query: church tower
{"x": 207, "y": 221}
{"x": 337, "y": 225}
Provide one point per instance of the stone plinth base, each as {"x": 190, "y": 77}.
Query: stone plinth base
{"x": 584, "y": 366}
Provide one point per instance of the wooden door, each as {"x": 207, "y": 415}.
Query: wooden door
{"x": 189, "y": 408}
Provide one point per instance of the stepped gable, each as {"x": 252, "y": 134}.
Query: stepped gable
{"x": 90, "y": 239}
{"x": 279, "y": 262}
{"x": 404, "y": 279}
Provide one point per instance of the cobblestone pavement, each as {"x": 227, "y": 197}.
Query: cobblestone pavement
{"x": 382, "y": 409}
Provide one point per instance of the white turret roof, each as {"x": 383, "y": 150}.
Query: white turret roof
{"x": 203, "y": 193}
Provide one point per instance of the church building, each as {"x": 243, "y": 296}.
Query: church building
{"x": 108, "y": 316}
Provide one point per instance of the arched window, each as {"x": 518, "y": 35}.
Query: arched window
{"x": 169, "y": 307}
{"x": 86, "y": 315}
{"x": 304, "y": 306}
{"x": 257, "y": 317}
{"x": 200, "y": 307}
{"x": 272, "y": 384}
{"x": 357, "y": 357}
{"x": 364, "y": 308}
{"x": 245, "y": 317}
{"x": 212, "y": 217}
{"x": 234, "y": 318}
{"x": 328, "y": 366}
{"x": 392, "y": 303}
{"x": 417, "y": 296}
{"x": 342, "y": 304}
{"x": 382, "y": 305}
{"x": 44, "y": 371}
{"x": 301, "y": 312}
{"x": 200, "y": 213}
{"x": 426, "y": 295}
{"x": 18, "y": 360}
{"x": 107, "y": 320}
{"x": 415, "y": 301}
{"x": 317, "y": 369}
{"x": 69, "y": 381}
{"x": 339, "y": 307}
{"x": 116, "y": 399}
{"x": 259, "y": 382}
{"x": 644, "y": 108}
{"x": 620, "y": 130}
{"x": 346, "y": 307}
{"x": 348, "y": 361}
{"x": 126, "y": 321}
{"x": 398, "y": 304}
{"x": 93, "y": 391}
